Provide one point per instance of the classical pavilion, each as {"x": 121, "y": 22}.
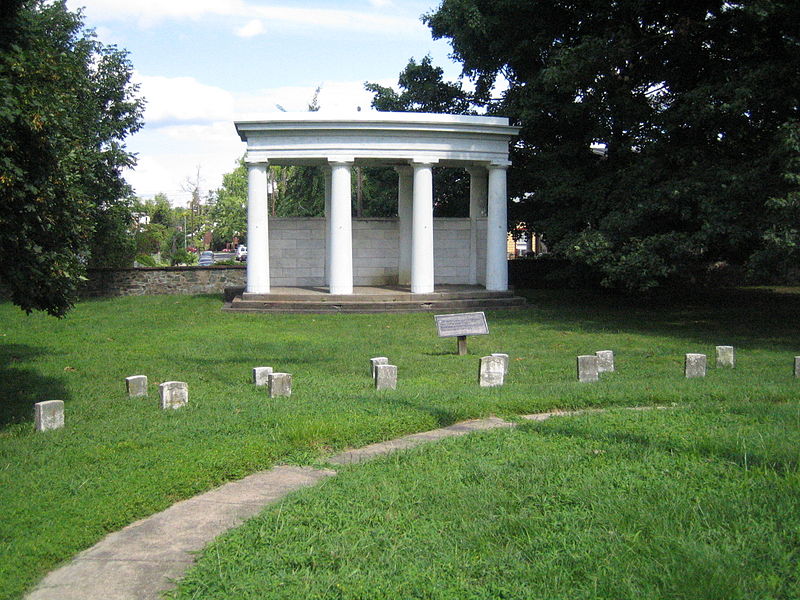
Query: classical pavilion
{"x": 406, "y": 251}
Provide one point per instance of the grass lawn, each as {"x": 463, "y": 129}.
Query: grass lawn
{"x": 688, "y": 503}
{"x": 120, "y": 459}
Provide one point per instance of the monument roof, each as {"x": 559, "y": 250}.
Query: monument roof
{"x": 382, "y": 137}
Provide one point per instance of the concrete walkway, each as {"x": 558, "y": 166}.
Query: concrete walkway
{"x": 143, "y": 559}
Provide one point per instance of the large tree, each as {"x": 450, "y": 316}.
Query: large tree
{"x": 657, "y": 137}
{"x": 66, "y": 106}
{"x": 422, "y": 88}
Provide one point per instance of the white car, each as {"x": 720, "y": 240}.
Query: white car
{"x": 206, "y": 259}
{"x": 241, "y": 252}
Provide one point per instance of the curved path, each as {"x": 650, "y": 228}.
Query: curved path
{"x": 143, "y": 559}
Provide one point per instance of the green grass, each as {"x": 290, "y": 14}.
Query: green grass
{"x": 120, "y": 459}
{"x": 688, "y": 503}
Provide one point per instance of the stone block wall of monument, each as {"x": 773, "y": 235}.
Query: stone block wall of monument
{"x": 297, "y": 258}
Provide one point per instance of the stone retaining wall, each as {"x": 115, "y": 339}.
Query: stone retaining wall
{"x": 163, "y": 280}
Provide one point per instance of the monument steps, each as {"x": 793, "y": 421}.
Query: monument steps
{"x": 372, "y": 300}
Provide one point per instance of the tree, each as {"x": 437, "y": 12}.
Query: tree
{"x": 228, "y": 214}
{"x": 114, "y": 236}
{"x": 66, "y": 106}
{"x": 423, "y": 89}
{"x": 654, "y": 134}
{"x": 160, "y": 211}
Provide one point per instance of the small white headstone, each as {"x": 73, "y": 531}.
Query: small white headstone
{"x": 504, "y": 358}
{"x": 48, "y": 415}
{"x": 280, "y": 384}
{"x": 491, "y": 372}
{"x": 374, "y": 362}
{"x": 261, "y": 375}
{"x": 695, "y": 365}
{"x": 605, "y": 361}
{"x": 726, "y": 357}
{"x": 588, "y": 368}
{"x": 797, "y": 366}
{"x": 174, "y": 394}
{"x": 136, "y": 385}
{"x": 385, "y": 377}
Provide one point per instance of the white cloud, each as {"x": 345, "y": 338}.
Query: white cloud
{"x": 190, "y": 125}
{"x": 381, "y": 3}
{"x": 150, "y": 12}
{"x": 168, "y": 156}
{"x": 251, "y": 29}
{"x": 171, "y": 99}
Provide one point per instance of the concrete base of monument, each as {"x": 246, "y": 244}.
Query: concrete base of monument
{"x": 369, "y": 299}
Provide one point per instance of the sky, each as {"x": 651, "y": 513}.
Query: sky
{"x": 203, "y": 64}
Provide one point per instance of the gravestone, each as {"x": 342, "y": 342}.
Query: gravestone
{"x": 136, "y": 385}
{"x": 460, "y": 325}
{"x": 261, "y": 375}
{"x": 174, "y": 394}
{"x": 504, "y": 358}
{"x": 588, "y": 368}
{"x": 797, "y": 366}
{"x": 280, "y": 384}
{"x": 374, "y": 362}
{"x": 385, "y": 377}
{"x": 491, "y": 372}
{"x": 605, "y": 361}
{"x": 48, "y": 415}
{"x": 726, "y": 357}
{"x": 695, "y": 365}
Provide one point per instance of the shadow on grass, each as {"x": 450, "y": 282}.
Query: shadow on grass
{"x": 781, "y": 459}
{"x": 443, "y": 416}
{"x": 21, "y": 387}
{"x": 747, "y": 317}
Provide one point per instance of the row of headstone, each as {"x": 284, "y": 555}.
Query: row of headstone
{"x": 384, "y": 375}
{"x": 590, "y": 366}
{"x": 172, "y": 394}
{"x": 49, "y": 414}
{"x": 277, "y": 384}
{"x": 695, "y": 364}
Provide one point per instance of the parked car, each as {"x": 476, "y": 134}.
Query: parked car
{"x": 206, "y": 259}
{"x": 241, "y": 252}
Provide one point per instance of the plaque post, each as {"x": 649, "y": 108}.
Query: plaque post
{"x": 460, "y": 325}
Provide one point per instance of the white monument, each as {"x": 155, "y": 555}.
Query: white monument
{"x": 411, "y": 142}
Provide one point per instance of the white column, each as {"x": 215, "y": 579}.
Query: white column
{"x": 341, "y": 230}
{"x": 477, "y": 208}
{"x": 422, "y": 230}
{"x": 405, "y": 196}
{"x": 497, "y": 231}
{"x": 257, "y": 229}
{"x": 328, "y": 253}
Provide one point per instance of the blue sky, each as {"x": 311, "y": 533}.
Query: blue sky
{"x": 203, "y": 64}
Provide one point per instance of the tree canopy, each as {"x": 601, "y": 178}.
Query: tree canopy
{"x": 424, "y": 89}
{"x": 66, "y": 105}
{"x": 658, "y": 138}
